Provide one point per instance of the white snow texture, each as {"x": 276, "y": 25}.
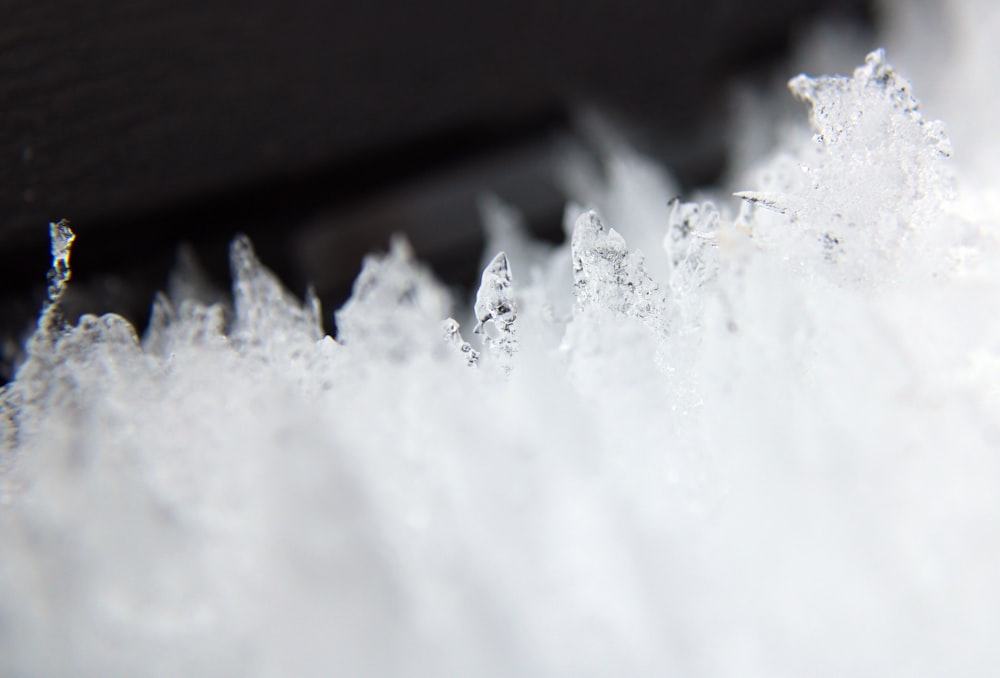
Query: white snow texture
{"x": 766, "y": 445}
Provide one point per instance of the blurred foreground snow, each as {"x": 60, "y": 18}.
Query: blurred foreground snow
{"x": 755, "y": 437}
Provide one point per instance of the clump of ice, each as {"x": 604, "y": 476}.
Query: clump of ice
{"x": 496, "y": 306}
{"x": 763, "y": 442}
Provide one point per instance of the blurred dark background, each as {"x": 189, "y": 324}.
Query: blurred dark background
{"x": 321, "y": 128}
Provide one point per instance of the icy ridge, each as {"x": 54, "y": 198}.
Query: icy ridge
{"x": 731, "y": 450}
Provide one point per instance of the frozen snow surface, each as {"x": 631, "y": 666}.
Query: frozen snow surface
{"x": 767, "y": 444}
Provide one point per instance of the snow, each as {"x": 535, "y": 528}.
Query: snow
{"x": 495, "y": 304}
{"x": 731, "y": 436}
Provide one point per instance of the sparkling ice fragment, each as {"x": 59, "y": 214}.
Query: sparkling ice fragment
{"x": 607, "y": 275}
{"x": 496, "y": 311}
{"x": 454, "y": 338}
{"x": 264, "y": 308}
{"x": 873, "y": 180}
{"x": 396, "y": 306}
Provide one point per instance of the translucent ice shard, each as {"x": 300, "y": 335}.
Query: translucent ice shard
{"x": 628, "y": 190}
{"x": 496, "y": 311}
{"x": 61, "y": 238}
{"x": 188, "y": 281}
{"x": 192, "y": 324}
{"x": 606, "y": 275}
{"x": 506, "y": 231}
{"x": 396, "y": 306}
{"x": 690, "y": 243}
{"x": 50, "y": 384}
{"x": 454, "y": 338}
{"x": 195, "y": 314}
{"x": 544, "y": 293}
{"x": 870, "y": 182}
{"x": 872, "y": 104}
{"x": 41, "y": 349}
{"x": 161, "y": 317}
{"x": 264, "y": 308}
{"x": 619, "y": 310}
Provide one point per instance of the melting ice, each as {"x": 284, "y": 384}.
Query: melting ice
{"x": 766, "y": 444}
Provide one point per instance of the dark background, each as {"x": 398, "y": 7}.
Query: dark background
{"x": 321, "y": 128}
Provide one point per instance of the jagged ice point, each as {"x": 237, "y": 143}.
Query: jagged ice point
{"x": 751, "y": 434}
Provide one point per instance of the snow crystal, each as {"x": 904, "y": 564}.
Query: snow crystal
{"x": 872, "y": 180}
{"x": 396, "y": 305}
{"x": 454, "y": 337}
{"x": 710, "y": 437}
{"x": 607, "y": 275}
{"x": 263, "y": 308}
{"x": 495, "y": 305}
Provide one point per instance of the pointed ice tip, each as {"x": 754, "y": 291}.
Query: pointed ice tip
{"x": 161, "y": 309}
{"x": 241, "y": 249}
{"x": 400, "y": 248}
{"x": 586, "y": 230}
{"x": 241, "y": 244}
{"x": 591, "y": 234}
{"x": 802, "y": 88}
{"x": 876, "y": 67}
{"x": 876, "y": 58}
{"x": 242, "y": 257}
{"x": 771, "y": 201}
{"x": 313, "y": 308}
{"x": 495, "y": 304}
{"x": 589, "y": 221}
{"x": 61, "y": 238}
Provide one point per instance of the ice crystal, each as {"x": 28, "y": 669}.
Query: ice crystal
{"x": 745, "y": 443}
{"x": 607, "y": 275}
{"x": 690, "y": 244}
{"x": 396, "y": 306}
{"x": 454, "y": 337}
{"x": 871, "y": 182}
{"x": 264, "y": 309}
{"x": 496, "y": 311}
{"x": 61, "y": 237}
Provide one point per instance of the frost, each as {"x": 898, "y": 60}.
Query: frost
{"x": 496, "y": 311}
{"x": 607, "y": 275}
{"x": 192, "y": 324}
{"x": 396, "y": 306}
{"x": 62, "y": 239}
{"x": 454, "y": 337}
{"x": 843, "y": 110}
{"x": 871, "y": 185}
{"x": 706, "y": 436}
{"x": 262, "y": 305}
{"x": 189, "y": 282}
{"x": 42, "y": 351}
{"x": 690, "y": 245}
{"x": 630, "y": 192}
